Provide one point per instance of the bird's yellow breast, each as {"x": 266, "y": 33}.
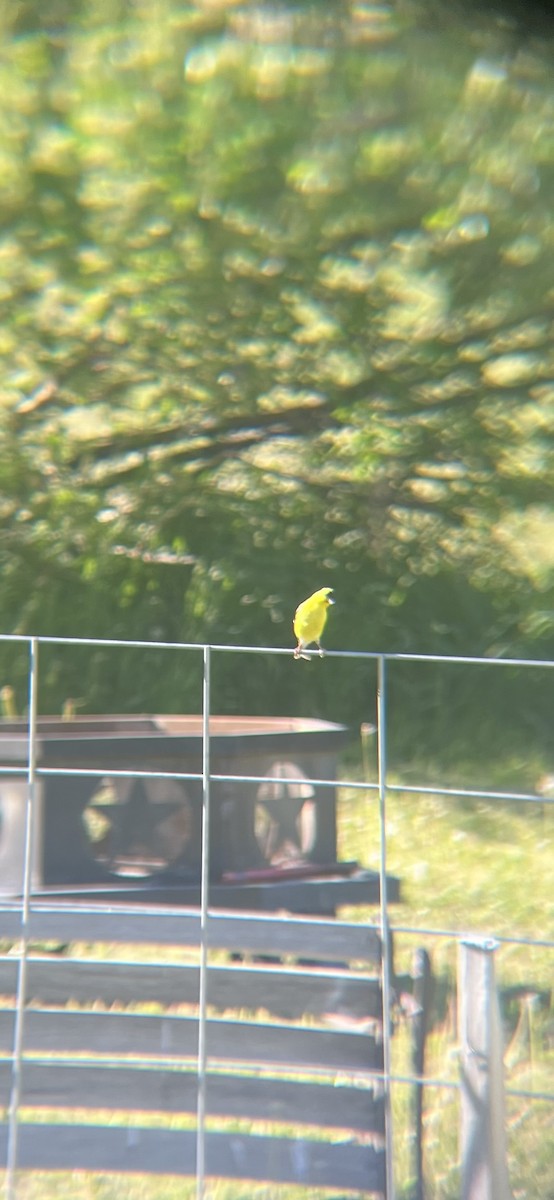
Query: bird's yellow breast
{"x": 308, "y": 626}
{"x": 311, "y": 615}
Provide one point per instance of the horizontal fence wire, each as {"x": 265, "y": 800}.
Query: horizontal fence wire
{"x": 354, "y": 784}
{"x": 200, "y": 647}
{"x": 452, "y": 935}
{"x": 109, "y": 1062}
{"x": 32, "y": 771}
{"x": 510, "y": 939}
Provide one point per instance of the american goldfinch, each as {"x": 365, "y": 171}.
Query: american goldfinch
{"x": 309, "y": 620}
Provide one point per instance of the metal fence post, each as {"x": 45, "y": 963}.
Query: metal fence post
{"x": 483, "y": 1138}
{"x": 422, "y": 994}
{"x": 204, "y": 895}
{"x": 385, "y": 930}
{"x": 17, "y": 1067}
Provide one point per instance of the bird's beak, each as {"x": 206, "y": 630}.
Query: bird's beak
{"x": 330, "y": 600}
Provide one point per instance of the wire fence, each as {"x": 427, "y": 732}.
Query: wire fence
{"x": 383, "y": 787}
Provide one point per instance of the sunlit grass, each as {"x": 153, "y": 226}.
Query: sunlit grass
{"x": 468, "y": 866}
{"x": 464, "y": 865}
{"x": 80, "y": 1186}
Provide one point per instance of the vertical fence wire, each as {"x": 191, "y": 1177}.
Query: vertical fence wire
{"x": 17, "y": 1055}
{"x": 384, "y": 916}
{"x": 204, "y": 886}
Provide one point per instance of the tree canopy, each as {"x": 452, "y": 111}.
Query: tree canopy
{"x": 277, "y": 291}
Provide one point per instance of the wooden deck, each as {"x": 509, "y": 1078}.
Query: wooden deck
{"x": 293, "y": 1037}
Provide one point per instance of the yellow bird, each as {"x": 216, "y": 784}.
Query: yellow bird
{"x": 309, "y": 621}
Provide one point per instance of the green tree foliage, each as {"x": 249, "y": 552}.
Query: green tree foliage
{"x": 277, "y": 288}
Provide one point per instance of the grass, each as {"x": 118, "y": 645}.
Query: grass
{"x": 481, "y": 867}
{"x": 57, "y": 1186}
